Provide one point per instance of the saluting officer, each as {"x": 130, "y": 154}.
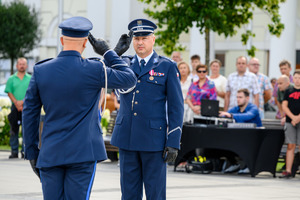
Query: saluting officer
{"x": 69, "y": 87}
{"x": 148, "y": 126}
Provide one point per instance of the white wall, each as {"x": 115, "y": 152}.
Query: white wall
{"x": 285, "y": 46}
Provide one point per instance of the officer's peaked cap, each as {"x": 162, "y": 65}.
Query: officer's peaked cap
{"x": 76, "y": 27}
{"x": 142, "y": 27}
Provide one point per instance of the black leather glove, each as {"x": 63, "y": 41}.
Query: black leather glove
{"x": 33, "y": 166}
{"x": 100, "y": 46}
{"x": 124, "y": 43}
{"x": 170, "y": 154}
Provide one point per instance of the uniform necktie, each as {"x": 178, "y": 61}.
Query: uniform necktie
{"x": 142, "y": 64}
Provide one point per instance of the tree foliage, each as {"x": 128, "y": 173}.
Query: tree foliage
{"x": 19, "y": 30}
{"x": 221, "y": 16}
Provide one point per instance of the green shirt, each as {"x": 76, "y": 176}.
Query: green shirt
{"x": 16, "y": 86}
{"x": 280, "y": 94}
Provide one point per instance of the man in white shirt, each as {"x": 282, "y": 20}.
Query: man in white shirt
{"x": 176, "y": 56}
{"x": 238, "y": 80}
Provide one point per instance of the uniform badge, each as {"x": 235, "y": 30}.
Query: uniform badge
{"x": 139, "y": 23}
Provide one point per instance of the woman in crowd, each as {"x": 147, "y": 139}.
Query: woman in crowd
{"x": 219, "y": 80}
{"x": 202, "y": 89}
{"x": 185, "y": 82}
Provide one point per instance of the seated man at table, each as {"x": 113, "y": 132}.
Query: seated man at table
{"x": 245, "y": 112}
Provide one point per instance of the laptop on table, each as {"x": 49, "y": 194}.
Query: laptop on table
{"x": 209, "y": 108}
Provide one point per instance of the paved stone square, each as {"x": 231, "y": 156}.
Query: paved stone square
{"x": 17, "y": 181}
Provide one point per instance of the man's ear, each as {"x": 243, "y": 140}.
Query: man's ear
{"x": 84, "y": 43}
{"x": 62, "y": 41}
{"x": 153, "y": 39}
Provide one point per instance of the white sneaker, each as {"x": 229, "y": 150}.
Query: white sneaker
{"x": 244, "y": 171}
{"x": 232, "y": 168}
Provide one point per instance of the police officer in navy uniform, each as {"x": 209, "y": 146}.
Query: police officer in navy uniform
{"x": 148, "y": 126}
{"x": 69, "y": 87}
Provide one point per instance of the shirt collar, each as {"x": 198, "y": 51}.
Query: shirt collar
{"x": 205, "y": 83}
{"x": 146, "y": 59}
{"x": 237, "y": 74}
{"x": 16, "y": 74}
{"x": 69, "y": 53}
{"x": 246, "y": 109}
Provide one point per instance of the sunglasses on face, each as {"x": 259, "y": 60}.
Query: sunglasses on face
{"x": 200, "y": 71}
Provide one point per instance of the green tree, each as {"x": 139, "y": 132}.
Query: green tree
{"x": 220, "y": 16}
{"x": 19, "y": 31}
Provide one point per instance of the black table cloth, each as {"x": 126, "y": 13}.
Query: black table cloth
{"x": 259, "y": 148}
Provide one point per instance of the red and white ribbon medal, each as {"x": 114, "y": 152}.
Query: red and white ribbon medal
{"x": 151, "y": 78}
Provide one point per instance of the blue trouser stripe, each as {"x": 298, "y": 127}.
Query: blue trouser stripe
{"x": 91, "y": 183}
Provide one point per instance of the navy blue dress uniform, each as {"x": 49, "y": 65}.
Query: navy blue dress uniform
{"x": 150, "y": 118}
{"x": 71, "y": 142}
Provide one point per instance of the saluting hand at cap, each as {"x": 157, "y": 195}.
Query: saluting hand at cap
{"x": 100, "y": 46}
{"x": 124, "y": 43}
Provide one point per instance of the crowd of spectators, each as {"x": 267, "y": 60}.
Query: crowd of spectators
{"x": 246, "y": 86}
{"x": 200, "y": 82}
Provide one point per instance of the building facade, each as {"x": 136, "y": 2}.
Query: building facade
{"x": 111, "y": 17}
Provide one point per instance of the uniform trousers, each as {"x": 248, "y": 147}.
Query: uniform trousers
{"x": 142, "y": 167}
{"x": 68, "y": 182}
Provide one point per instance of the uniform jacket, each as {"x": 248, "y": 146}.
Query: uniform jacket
{"x": 68, "y": 87}
{"x": 150, "y": 116}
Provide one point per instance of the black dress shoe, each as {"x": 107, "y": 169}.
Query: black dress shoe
{"x": 22, "y": 155}
{"x": 13, "y": 155}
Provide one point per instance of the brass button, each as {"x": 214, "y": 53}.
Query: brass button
{"x": 160, "y": 128}
{"x": 137, "y": 91}
{"x": 136, "y": 102}
{"x": 155, "y": 81}
{"x": 139, "y": 81}
{"x": 135, "y": 114}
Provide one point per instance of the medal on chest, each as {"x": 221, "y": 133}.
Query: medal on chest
{"x": 151, "y": 78}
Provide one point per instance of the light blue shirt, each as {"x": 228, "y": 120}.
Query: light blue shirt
{"x": 146, "y": 59}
